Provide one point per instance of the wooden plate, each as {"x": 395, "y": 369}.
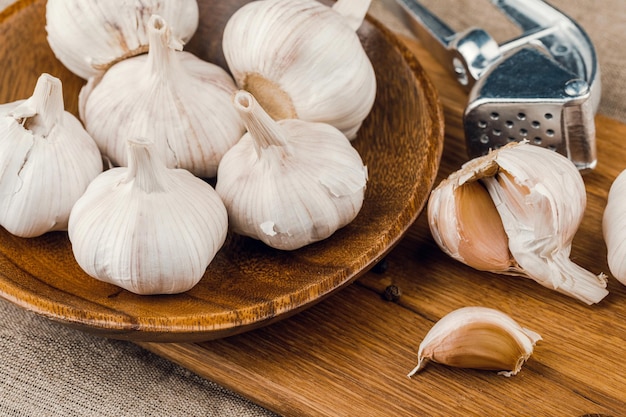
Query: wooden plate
{"x": 248, "y": 285}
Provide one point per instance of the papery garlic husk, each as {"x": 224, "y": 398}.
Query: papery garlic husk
{"x": 303, "y": 60}
{"x": 147, "y": 228}
{"x": 88, "y": 36}
{"x": 614, "y": 228}
{"x": 47, "y": 160}
{"x": 180, "y": 101}
{"x": 289, "y": 183}
{"x": 477, "y": 338}
{"x": 515, "y": 211}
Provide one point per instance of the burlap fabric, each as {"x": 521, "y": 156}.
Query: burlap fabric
{"x": 49, "y": 370}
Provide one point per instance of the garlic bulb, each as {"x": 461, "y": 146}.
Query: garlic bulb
{"x": 302, "y": 59}
{"x": 47, "y": 160}
{"x": 88, "y": 36}
{"x": 515, "y": 211}
{"x": 147, "y": 228}
{"x": 613, "y": 227}
{"x": 478, "y": 338}
{"x": 180, "y": 101}
{"x": 289, "y": 183}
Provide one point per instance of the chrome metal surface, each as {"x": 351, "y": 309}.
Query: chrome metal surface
{"x": 542, "y": 86}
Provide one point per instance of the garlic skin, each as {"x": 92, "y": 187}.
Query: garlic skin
{"x": 47, "y": 160}
{"x": 88, "y": 36}
{"x": 289, "y": 183}
{"x": 613, "y": 227}
{"x": 147, "y": 228}
{"x": 180, "y": 101}
{"x": 478, "y": 338}
{"x": 303, "y": 60}
{"x": 515, "y": 211}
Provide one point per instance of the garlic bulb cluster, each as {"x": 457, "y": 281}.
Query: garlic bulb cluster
{"x": 477, "y": 338}
{"x": 180, "y": 101}
{"x": 88, "y": 36}
{"x": 289, "y": 183}
{"x": 515, "y": 211}
{"x": 147, "y": 228}
{"x": 47, "y": 160}
{"x": 303, "y": 60}
{"x": 613, "y": 226}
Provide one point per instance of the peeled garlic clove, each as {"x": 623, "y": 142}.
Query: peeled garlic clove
{"x": 478, "y": 338}
{"x": 47, "y": 160}
{"x": 614, "y": 228}
{"x": 537, "y": 197}
{"x": 302, "y": 59}
{"x": 147, "y": 228}
{"x": 180, "y": 101}
{"x": 88, "y": 36}
{"x": 289, "y": 183}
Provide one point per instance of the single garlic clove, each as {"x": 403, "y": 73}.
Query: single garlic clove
{"x": 47, "y": 160}
{"x": 289, "y": 183}
{"x": 276, "y": 50}
{"x": 614, "y": 228}
{"x": 88, "y": 36}
{"x": 179, "y": 100}
{"x": 477, "y": 338}
{"x": 147, "y": 228}
{"x": 537, "y": 197}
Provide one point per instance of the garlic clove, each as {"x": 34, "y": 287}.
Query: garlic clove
{"x": 276, "y": 50}
{"x": 465, "y": 229}
{"x": 477, "y": 338}
{"x": 289, "y": 183}
{"x": 539, "y": 198}
{"x": 88, "y": 36}
{"x": 179, "y": 100}
{"x": 47, "y": 161}
{"x": 147, "y": 228}
{"x": 613, "y": 227}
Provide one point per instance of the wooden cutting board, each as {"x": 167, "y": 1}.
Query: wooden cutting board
{"x": 350, "y": 354}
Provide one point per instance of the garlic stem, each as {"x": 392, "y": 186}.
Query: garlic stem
{"x": 145, "y": 169}
{"x": 354, "y": 11}
{"x": 162, "y": 44}
{"x": 265, "y": 131}
{"x": 43, "y": 110}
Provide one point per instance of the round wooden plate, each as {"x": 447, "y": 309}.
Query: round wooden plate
{"x": 248, "y": 285}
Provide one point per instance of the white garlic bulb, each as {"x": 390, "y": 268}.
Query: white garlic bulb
{"x": 613, "y": 227}
{"x": 302, "y": 59}
{"x": 47, "y": 160}
{"x": 180, "y": 101}
{"x": 516, "y": 211}
{"x": 88, "y": 36}
{"x": 147, "y": 228}
{"x": 289, "y": 183}
{"x": 477, "y": 338}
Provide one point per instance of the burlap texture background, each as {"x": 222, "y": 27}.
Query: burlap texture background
{"x": 49, "y": 370}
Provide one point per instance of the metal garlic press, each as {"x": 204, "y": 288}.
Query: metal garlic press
{"x": 543, "y": 86}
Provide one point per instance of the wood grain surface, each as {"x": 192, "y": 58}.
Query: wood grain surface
{"x": 350, "y": 354}
{"x": 248, "y": 284}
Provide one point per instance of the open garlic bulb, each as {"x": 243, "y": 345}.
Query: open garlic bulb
{"x": 147, "y": 228}
{"x": 515, "y": 211}
{"x": 88, "y": 36}
{"x": 477, "y": 338}
{"x": 303, "y": 60}
{"x": 47, "y": 160}
{"x": 180, "y": 101}
{"x": 289, "y": 183}
{"x": 613, "y": 227}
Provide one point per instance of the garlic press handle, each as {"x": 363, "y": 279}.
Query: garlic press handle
{"x": 472, "y": 53}
{"x": 467, "y": 54}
